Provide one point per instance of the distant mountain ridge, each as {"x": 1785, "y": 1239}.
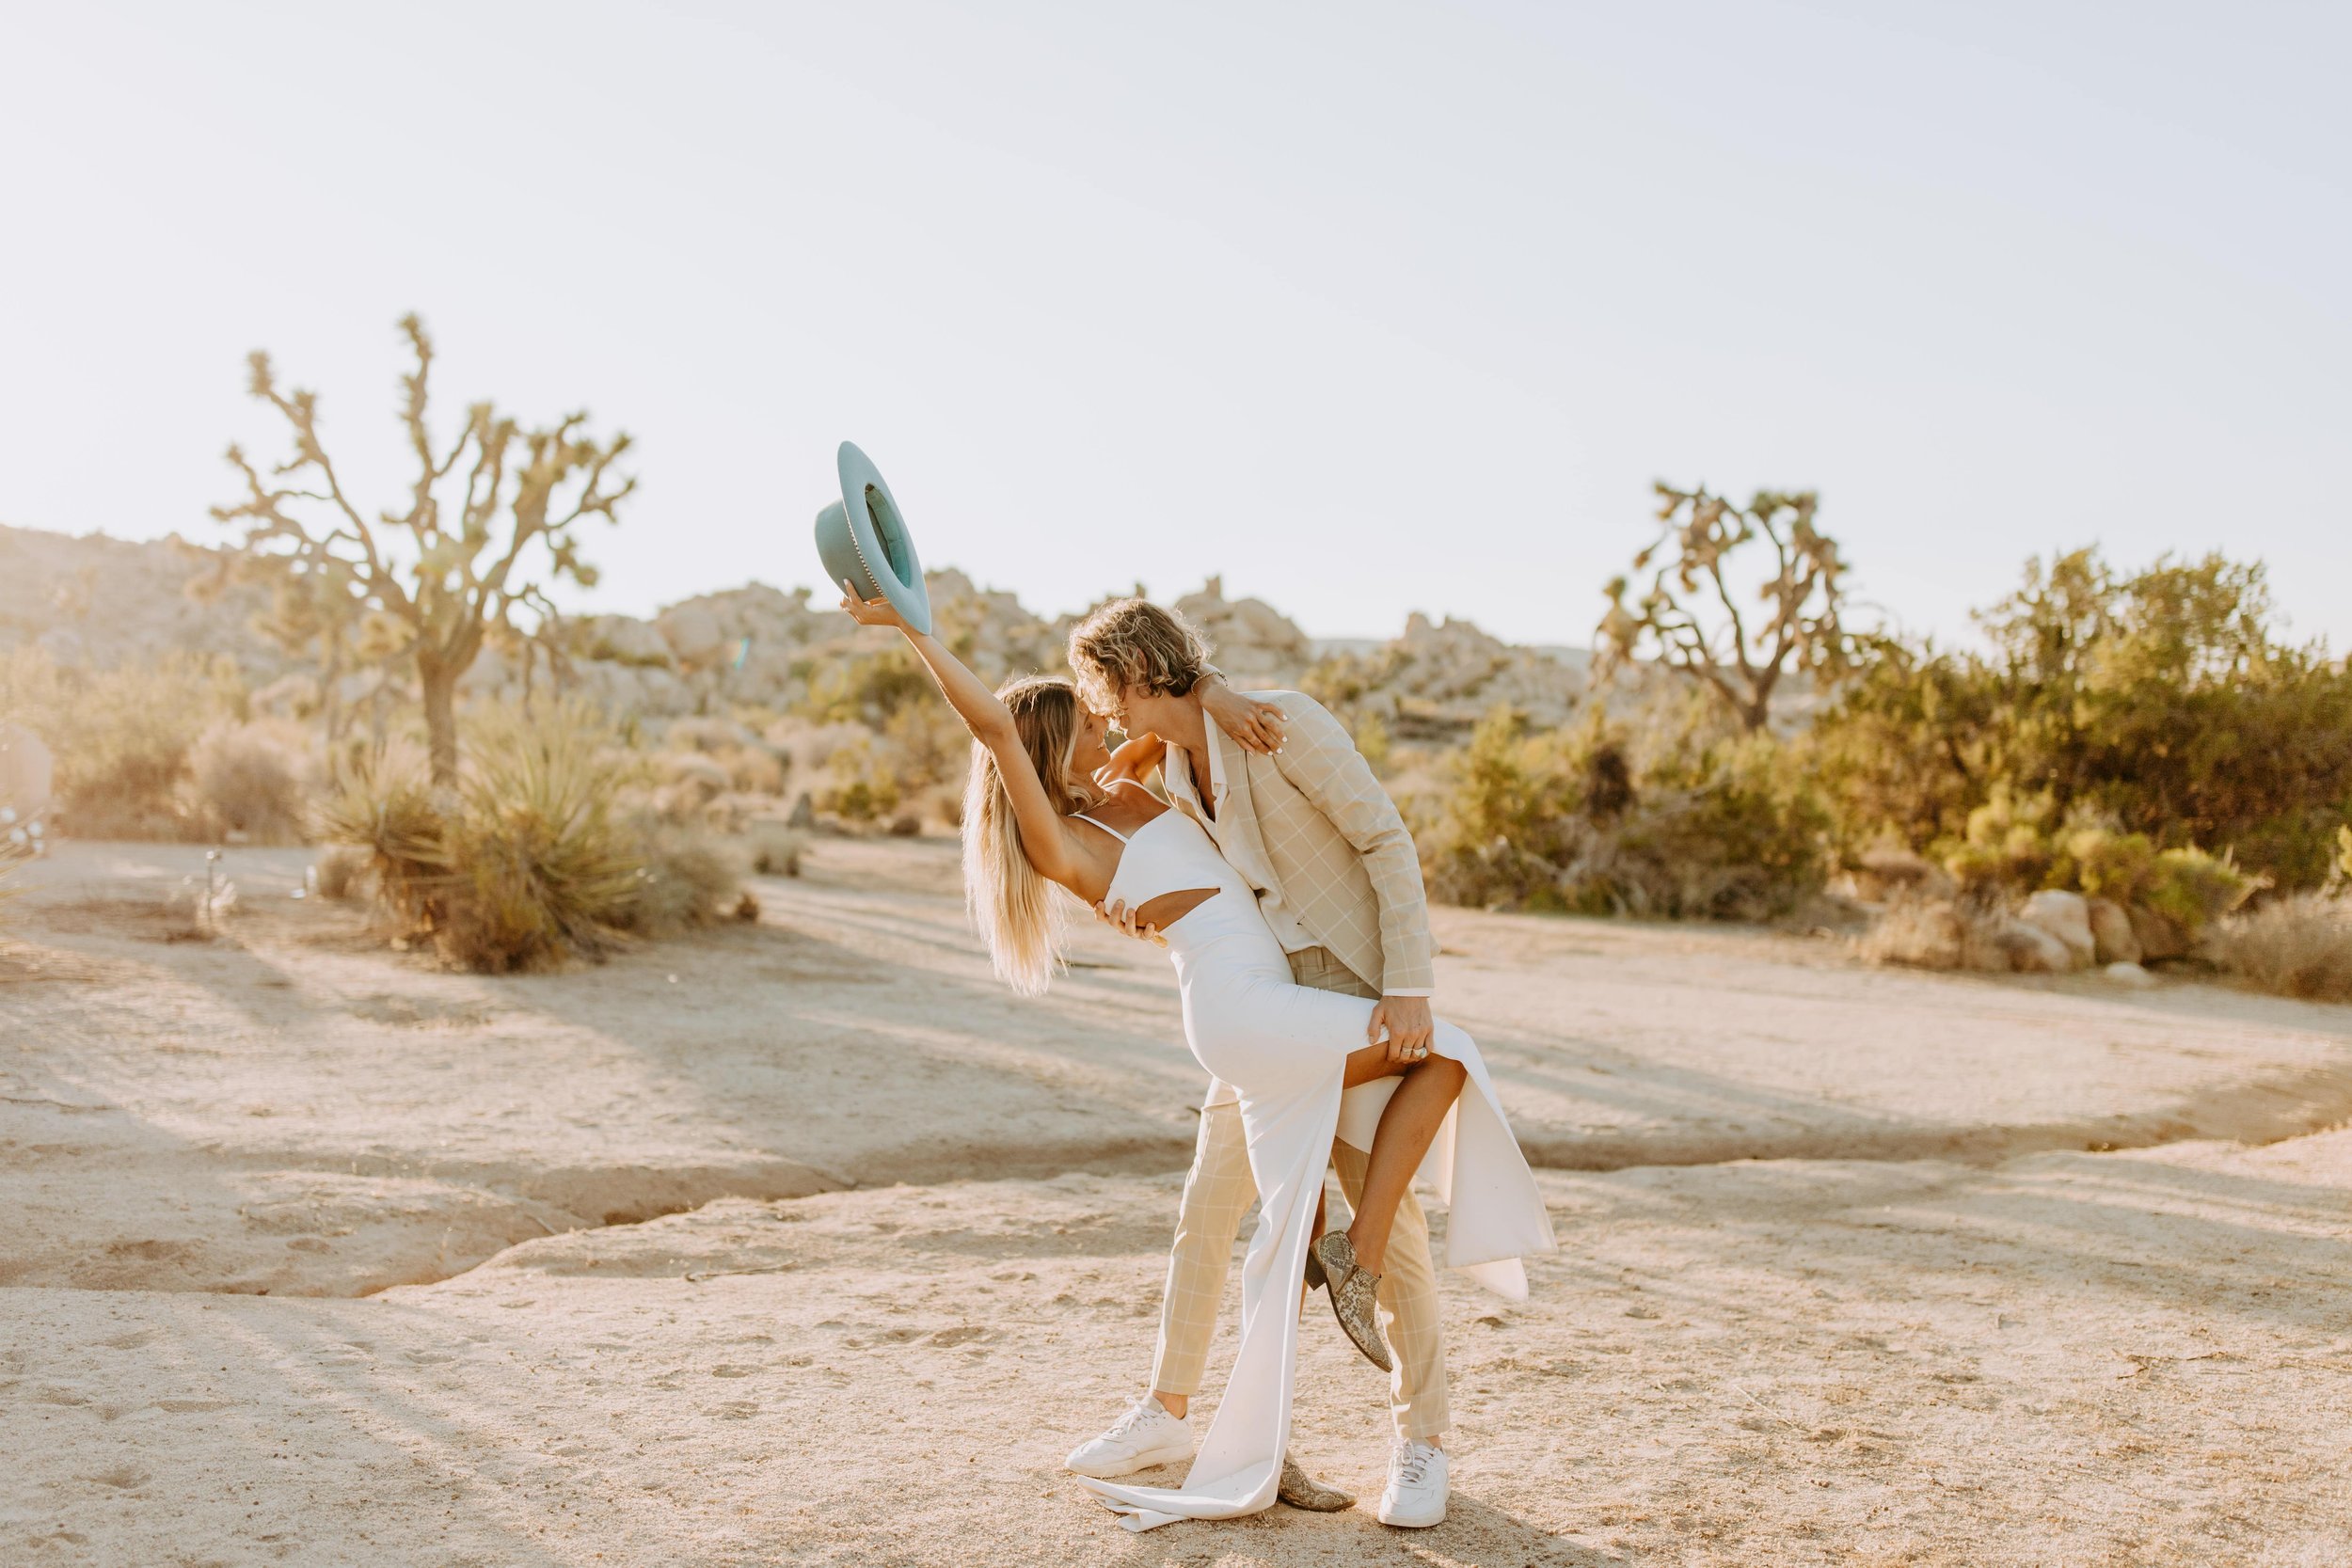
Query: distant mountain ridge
{"x": 96, "y": 601}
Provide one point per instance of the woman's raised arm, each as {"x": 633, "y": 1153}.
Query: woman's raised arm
{"x": 1043, "y": 833}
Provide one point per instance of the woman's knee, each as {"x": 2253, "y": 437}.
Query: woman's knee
{"x": 1444, "y": 1070}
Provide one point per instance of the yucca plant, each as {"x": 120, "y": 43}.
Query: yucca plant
{"x": 542, "y": 868}
{"x": 521, "y": 865}
{"x": 383, "y": 805}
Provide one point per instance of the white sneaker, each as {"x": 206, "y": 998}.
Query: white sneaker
{"x": 1145, "y": 1436}
{"x": 1415, "y": 1497}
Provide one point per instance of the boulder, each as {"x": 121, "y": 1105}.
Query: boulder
{"x": 2031, "y": 950}
{"x": 2129, "y": 974}
{"x": 623, "y": 639}
{"x": 693, "y": 633}
{"x": 1255, "y": 644}
{"x": 2111, "y": 934}
{"x": 2160, "y": 936}
{"x": 2067, "y": 917}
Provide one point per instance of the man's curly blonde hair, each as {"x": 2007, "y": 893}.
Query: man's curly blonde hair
{"x": 1135, "y": 642}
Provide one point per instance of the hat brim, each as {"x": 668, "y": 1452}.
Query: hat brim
{"x": 864, "y": 540}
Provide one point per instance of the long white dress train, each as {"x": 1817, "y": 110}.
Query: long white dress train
{"x": 1284, "y": 1047}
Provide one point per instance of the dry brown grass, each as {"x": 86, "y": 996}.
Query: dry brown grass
{"x": 2299, "y": 945}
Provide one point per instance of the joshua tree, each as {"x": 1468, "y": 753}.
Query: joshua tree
{"x": 434, "y": 583}
{"x": 1803, "y": 599}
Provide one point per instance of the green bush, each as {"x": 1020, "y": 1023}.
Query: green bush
{"x": 1708, "y": 825}
{"x": 2161, "y": 703}
{"x": 865, "y": 783}
{"x": 2012, "y": 846}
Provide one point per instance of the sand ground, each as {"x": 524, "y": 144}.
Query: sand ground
{"x": 802, "y": 1242}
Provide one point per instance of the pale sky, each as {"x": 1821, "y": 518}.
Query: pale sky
{"x": 1371, "y": 308}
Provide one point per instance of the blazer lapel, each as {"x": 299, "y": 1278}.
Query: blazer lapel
{"x": 1237, "y": 828}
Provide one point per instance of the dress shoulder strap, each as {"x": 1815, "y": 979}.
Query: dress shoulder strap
{"x": 1104, "y": 826}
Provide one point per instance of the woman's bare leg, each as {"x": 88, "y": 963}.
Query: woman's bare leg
{"x": 1407, "y": 1127}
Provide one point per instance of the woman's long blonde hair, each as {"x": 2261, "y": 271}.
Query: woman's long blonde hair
{"x": 1024, "y": 917}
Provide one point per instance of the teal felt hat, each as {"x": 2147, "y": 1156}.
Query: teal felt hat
{"x": 863, "y": 539}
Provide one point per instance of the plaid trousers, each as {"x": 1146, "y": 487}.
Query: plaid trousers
{"x": 1219, "y": 1190}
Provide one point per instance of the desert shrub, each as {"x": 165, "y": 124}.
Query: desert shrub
{"x": 686, "y": 880}
{"x": 864, "y": 787}
{"x": 1730, "y": 831}
{"x": 2162, "y": 702}
{"x": 382, "y": 804}
{"x": 544, "y": 868}
{"x": 867, "y": 685}
{"x": 121, "y": 737}
{"x": 523, "y": 864}
{"x": 2012, "y": 847}
{"x": 251, "y": 779}
{"x": 2299, "y": 945}
{"x": 1374, "y": 739}
{"x": 1709, "y": 825}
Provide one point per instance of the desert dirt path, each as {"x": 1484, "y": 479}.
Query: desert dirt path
{"x": 804, "y": 1241}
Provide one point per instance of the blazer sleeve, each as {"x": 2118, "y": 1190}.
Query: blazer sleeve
{"x": 1321, "y": 760}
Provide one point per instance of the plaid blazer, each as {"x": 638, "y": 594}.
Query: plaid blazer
{"x": 1313, "y": 832}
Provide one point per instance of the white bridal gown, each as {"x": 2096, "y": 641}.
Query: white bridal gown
{"x": 1283, "y": 1048}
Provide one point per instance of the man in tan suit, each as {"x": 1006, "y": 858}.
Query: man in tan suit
{"x": 1309, "y": 826}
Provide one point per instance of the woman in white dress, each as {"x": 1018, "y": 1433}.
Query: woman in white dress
{"x": 1034, "y": 819}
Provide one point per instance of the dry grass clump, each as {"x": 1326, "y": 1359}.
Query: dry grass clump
{"x": 249, "y": 781}
{"x": 2299, "y": 945}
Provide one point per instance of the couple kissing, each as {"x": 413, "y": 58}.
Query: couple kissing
{"x": 1278, "y": 876}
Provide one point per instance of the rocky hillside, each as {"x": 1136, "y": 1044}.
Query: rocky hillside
{"x": 95, "y": 601}
{"x": 99, "y": 602}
